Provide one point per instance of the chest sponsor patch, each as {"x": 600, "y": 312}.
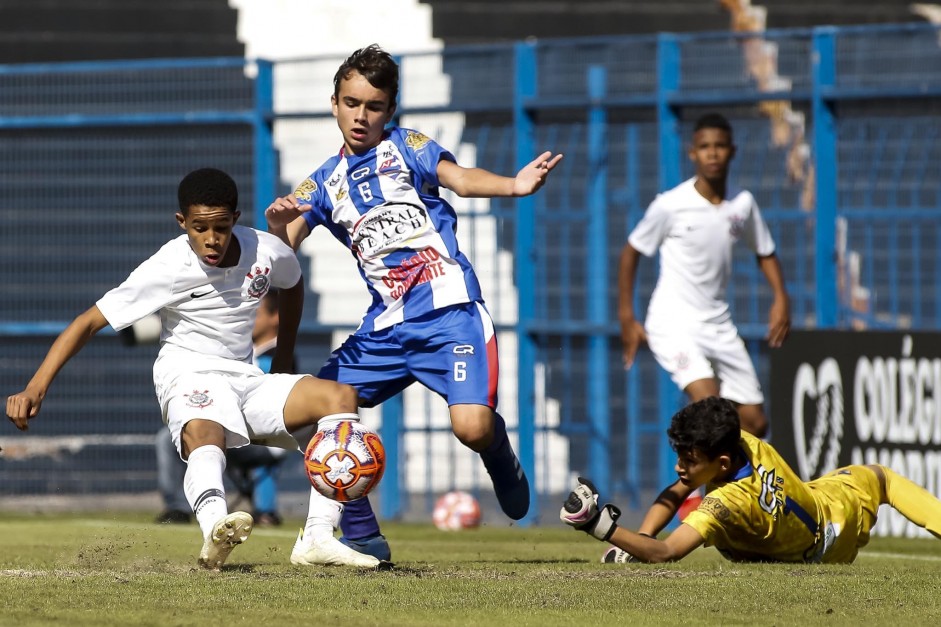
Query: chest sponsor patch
{"x": 388, "y": 227}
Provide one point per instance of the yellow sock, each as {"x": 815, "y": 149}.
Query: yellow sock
{"x": 913, "y": 501}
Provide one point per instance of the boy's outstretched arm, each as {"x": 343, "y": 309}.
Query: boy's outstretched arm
{"x": 582, "y": 512}
{"x": 480, "y": 183}
{"x": 25, "y": 405}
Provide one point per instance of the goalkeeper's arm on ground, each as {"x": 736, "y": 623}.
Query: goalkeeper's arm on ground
{"x": 581, "y": 511}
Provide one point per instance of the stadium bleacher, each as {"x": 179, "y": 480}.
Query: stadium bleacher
{"x": 81, "y": 30}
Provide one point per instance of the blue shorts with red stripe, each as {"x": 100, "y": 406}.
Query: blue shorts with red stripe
{"x": 451, "y": 351}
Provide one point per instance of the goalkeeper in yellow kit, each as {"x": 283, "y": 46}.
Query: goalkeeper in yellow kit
{"x": 755, "y": 508}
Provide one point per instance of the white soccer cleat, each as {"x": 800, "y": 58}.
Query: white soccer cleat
{"x": 328, "y": 551}
{"x": 228, "y": 533}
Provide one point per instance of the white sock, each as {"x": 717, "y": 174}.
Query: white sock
{"x": 328, "y": 421}
{"x": 203, "y": 486}
{"x": 323, "y": 516}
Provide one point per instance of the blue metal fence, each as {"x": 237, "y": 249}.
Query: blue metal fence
{"x": 837, "y": 133}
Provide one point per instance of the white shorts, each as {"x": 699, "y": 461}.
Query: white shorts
{"x": 707, "y": 351}
{"x": 249, "y": 407}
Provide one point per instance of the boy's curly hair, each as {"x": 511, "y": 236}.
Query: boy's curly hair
{"x": 710, "y": 426}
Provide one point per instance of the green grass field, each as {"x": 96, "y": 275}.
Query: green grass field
{"x": 121, "y": 569}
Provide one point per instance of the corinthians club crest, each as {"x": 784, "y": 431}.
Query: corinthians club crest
{"x": 258, "y": 282}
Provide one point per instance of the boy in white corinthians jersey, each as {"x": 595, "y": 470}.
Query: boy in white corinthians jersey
{"x": 427, "y": 322}
{"x": 206, "y": 286}
{"x": 688, "y": 327}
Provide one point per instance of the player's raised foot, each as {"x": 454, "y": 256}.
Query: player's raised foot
{"x": 228, "y": 533}
{"x": 509, "y": 480}
{"x": 614, "y": 555}
{"x": 328, "y": 551}
{"x": 376, "y": 545}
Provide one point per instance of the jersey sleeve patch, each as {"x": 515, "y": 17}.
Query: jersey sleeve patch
{"x": 306, "y": 189}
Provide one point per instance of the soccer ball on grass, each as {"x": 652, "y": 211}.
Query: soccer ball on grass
{"x": 456, "y": 510}
{"x": 345, "y": 461}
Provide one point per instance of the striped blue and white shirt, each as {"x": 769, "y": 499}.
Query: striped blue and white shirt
{"x": 384, "y": 206}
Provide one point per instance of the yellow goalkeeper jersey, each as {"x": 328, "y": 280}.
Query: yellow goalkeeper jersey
{"x": 767, "y": 513}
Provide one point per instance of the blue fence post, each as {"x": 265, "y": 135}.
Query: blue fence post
{"x": 825, "y": 165}
{"x": 525, "y": 87}
{"x": 671, "y": 145}
{"x": 390, "y": 490}
{"x": 599, "y": 410}
{"x": 265, "y": 170}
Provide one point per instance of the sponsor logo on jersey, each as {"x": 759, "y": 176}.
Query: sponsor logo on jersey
{"x": 417, "y": 269}
{"x": 463, "y": 349}
{"x": 715, "y": 508}
{"x": 306, "y": 189}
{"x": 388, "y": 227}
{"x": 388, "y": 164}
{"x": 360, "y": 173}
{"x": 258, "y": 282}
{"x": 334, "y": 180}
{"x": 416, "y": 140}
{"x": 770, "y": 499}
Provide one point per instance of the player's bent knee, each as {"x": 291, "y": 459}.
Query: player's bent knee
{"x": 475, "y": 438}
{"x": 474, "y": 432}
{"x": 312, "y": 399}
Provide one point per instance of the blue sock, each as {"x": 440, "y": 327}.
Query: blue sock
{"x": 509, "y": 480}
{"x": 499, "y": 448}
{"x": 358, "y": 520}
{"x": 265, "y": 494}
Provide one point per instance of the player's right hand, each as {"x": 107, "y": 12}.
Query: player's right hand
{"x": 282, "y": 211}
{"x": 632, "y": 336}
{"x": 21, "y": 407}
{"x": 581, "y": 511}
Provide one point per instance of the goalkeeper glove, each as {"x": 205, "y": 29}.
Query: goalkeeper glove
{"x": 581, "y": 511}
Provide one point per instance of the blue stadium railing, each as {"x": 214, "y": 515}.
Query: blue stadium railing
{"x": 838, "y": 139}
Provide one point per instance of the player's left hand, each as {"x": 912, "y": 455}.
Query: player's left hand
{"x": 779, "y": 323}
{"x": 533, "y": 175}
{"x": 581, "y": 511}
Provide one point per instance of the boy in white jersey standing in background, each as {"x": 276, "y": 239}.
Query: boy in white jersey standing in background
{"x": 689, "y": 327}
{"x": 427, "y": 321}
{"x": 206, "y": 286}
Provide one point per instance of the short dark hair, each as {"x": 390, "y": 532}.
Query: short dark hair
{"x": 710, "y": 425}
{"x": 713, "y": 120}
{"x": 209, "y": 187}
{"x": 375, "y": 65}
